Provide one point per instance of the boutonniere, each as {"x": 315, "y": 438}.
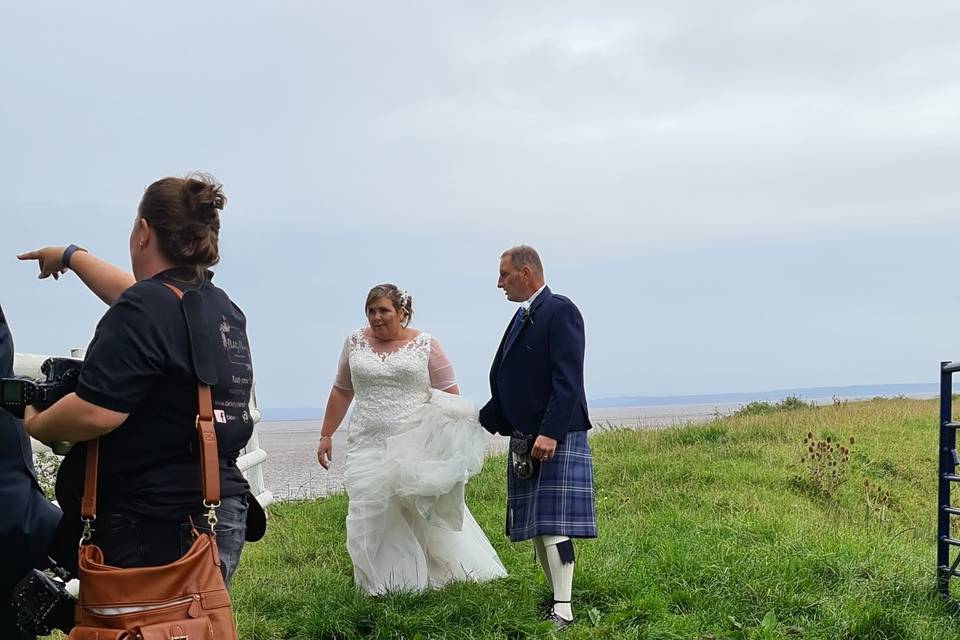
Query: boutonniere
{"x": 527, "y": 316}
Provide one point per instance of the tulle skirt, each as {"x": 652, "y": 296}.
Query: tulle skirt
{"x": 408, "y": 528}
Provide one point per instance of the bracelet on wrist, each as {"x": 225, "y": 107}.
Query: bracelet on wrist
{"x": 323, "y": 436}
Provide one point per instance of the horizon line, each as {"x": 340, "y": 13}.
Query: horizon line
{"x": 733, "y": 396}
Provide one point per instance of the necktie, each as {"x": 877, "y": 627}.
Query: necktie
{"x": 514, "y": 330}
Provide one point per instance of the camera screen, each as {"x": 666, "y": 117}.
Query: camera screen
{"x": 11, "y": 392}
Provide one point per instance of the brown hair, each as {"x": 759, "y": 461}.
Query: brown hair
{"x": 402, "y": 301}
{"x": 185, "y": 214}
{"x": 525, "y": 256}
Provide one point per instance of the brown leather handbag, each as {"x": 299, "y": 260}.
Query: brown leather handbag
{"x": 183, "y": 600}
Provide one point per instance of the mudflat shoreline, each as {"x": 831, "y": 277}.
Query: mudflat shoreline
{"x": 291, "y": 471}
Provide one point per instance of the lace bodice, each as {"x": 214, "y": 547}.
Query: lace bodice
{"x": 389, "y": 383}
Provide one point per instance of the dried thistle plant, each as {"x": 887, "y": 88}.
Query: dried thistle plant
{"x": 878, "y": 501}
{"x": 824, "y": 463}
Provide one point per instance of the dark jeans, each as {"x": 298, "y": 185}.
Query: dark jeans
{"x": 134, "y": 541}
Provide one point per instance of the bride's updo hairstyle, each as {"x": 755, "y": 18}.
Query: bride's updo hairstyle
{"x": 402, "y": 301}
{"x": 185, "y": 214}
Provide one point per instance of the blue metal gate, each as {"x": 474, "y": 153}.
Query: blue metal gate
{"x": 947, "y": 475}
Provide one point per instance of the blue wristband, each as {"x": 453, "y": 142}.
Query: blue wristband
{"x": 68, "y": 253}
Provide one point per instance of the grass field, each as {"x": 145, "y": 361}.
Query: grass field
{"x": 705, "y": 532}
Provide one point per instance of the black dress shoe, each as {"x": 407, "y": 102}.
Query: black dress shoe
{"x": 545, "y": 607}
{"x": 558, "y": 621}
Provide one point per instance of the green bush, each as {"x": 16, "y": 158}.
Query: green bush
{"x": 46, "y": 465}
{"x": 756, "y": 408}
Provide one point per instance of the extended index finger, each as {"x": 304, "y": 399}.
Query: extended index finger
{"x": 29, "y": 255}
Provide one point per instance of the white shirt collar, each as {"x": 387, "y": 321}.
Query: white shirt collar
{"x": 526, "y": 304}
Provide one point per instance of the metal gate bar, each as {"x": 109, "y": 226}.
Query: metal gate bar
{"x": 946, "y": 475}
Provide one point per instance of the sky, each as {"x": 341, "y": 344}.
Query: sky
{"x": 738, "y": 195}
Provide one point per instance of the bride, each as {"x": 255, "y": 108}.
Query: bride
{"x": 412, "y": 444}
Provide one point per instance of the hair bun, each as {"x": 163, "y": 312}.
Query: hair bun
{"x": 185, "y": 214}
{"x": 203, "y": 196}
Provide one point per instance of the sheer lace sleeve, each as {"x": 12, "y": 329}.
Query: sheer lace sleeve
{"x": 343, "y": 379}
{"x": 441, "y": 370}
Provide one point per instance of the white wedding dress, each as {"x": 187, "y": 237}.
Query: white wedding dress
{"x": 410, "y": 449}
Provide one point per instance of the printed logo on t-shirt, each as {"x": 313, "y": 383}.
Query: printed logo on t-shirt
{"x": 220, "y": 416}
{"x": 234, "y": 343}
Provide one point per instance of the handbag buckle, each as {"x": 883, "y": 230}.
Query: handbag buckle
{"x": 211, "y": 514}
{"x": 88, "y": 529}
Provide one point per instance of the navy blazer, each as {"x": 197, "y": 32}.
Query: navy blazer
{"x": 537, "y": 380}
{"x": 27, "y": 519}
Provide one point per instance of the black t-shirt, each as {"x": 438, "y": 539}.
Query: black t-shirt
{"x": 139, "y": 362}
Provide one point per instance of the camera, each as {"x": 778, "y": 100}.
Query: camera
{"x": 42, "y": 601}
{"x": 62, "y": 376}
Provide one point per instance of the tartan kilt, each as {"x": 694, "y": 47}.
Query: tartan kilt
{"x": 558, "y": 499}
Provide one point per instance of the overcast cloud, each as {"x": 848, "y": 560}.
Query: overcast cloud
{"x": 738, "y": 195}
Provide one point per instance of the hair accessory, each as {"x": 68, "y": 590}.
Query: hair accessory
{"x": 404, "y": 298}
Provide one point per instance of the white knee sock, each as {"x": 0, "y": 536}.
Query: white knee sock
{"x": 541, "y": 552}
{"x": 560, "y": 576}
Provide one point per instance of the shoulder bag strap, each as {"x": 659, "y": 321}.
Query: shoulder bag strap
{"x": 88, "y": 504}
{"x": 209, "y": 456}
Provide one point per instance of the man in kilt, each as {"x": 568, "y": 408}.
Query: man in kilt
{"x": 538, "y": 401}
